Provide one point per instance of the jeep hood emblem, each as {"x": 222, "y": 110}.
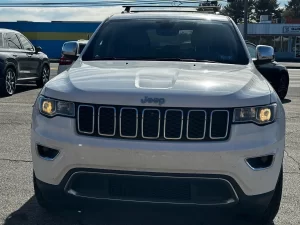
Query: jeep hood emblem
{"x": 159, "y": 101}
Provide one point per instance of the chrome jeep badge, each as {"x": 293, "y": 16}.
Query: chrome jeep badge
{"x": 159, "y": 101}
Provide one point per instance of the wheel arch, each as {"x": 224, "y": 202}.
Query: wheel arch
{"x": 45, "y": 63}
{"x": 13, "y": 65}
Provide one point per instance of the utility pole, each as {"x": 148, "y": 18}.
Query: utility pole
{"x": 245, "y": 19}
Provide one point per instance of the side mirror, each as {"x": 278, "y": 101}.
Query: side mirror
{"x": 38, "y": 49}
{"x": 69, "y": 50}
{"x": 265, "y": 53}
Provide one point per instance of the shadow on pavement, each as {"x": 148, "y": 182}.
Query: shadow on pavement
{"x": 22, "y": 88}
{"x": 25, "y": 87}
{"x": 31, "y": 214}
{"x": 286, "y": 101}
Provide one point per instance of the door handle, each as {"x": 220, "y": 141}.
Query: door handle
{"x": 15, "y": 55}
{"x": 29, "y": 55}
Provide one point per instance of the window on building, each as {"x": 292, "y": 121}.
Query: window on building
{"x": 13, "y": 41}
{"x": 277, "y": 44}
{"x": 253, "y": 39}
{"x": 26, "y": 44}
{"x": 267, "y": 40}
{"x": 285, "y": 43}
{"x": 1, "y": 40}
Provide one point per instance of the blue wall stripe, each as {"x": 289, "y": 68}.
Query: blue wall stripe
{"x": 51, "y": 48}
{"x": 51, "y": 27}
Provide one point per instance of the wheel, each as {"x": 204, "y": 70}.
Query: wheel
{"x": 283, "y": 85}
{"x": 45, "y": 76}
{"x": 8, "y": 85}
{"x": 267, "y": 217}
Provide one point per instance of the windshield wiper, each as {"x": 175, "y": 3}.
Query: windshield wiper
{"x": 175, "y": 59}
{"x": 109, "y": 58}
{"x": 209, "y": 61}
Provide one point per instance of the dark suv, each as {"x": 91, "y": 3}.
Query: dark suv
{"x": 20, "y": 62}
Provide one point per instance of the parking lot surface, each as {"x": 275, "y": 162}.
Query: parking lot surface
{"x": 18, "y": 205}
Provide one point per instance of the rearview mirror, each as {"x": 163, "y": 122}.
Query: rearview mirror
{"x": 265, "y": 53}
{"x": 69, "y": 50}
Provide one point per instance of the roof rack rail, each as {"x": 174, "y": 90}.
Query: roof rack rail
{"x": 204, "y": 6}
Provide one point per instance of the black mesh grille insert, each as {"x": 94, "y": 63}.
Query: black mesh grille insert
{"x": 143, "y": 188}
{"x": 196, "y": 124}
{"x": 219, "y": 124}
{"x": 151, "y": 121}
{"x": 107, "y": 121}
{"x": 86, "y": 119}
{"x": 128, "y": 120}
{"x": 173, "y": 124}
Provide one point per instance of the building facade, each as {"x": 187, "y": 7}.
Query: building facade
{"x": 51, "y": 35}
{"x": 284, "y": 37}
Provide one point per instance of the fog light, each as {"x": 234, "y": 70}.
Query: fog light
{"x": 259, "y": 163}
{"x": 47, "y": 153}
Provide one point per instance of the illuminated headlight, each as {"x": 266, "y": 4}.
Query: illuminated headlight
{"x": 259, "y": 114}
{"x": 51, "y": 107}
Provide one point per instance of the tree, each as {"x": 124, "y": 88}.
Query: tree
{"x": 235, "y": 10}
{"x": 267, "y": 7}
{"x": 292, "y": 9}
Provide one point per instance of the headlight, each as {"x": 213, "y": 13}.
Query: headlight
{"x": 51, "y": 107}
{"x": 259, "y": 114}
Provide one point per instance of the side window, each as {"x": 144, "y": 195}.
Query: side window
{"x": 13, "y": 41}
{"x": 81, "y": 47}
{"x": 26, "y": 44}
{"x": 252, "y": 50}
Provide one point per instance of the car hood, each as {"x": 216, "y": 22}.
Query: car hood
{"x": 185, "y": 84}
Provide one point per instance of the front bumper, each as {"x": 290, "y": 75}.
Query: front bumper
{"x": 237, "y": 201}
{"x": 221, "y": 160}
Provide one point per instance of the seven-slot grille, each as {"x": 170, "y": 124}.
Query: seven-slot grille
{"x": 154, "y": 123}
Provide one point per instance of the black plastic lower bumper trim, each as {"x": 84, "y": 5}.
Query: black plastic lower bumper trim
{"x": 76, "y": 191}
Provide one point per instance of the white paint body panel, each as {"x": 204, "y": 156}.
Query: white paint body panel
{"x": 227, "y": 158}
{"x": 182, "y": 84}
{"x": 191, "y": 84}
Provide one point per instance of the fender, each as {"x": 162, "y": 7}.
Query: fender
{"x": 11, "y": 63}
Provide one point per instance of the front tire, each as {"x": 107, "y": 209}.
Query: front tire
{"x": 42, "y": 202}
{"x": 8, "y": 85}
{"x": 274, "y": 205}
{"x": 44, "y": 78}
{"x": 267, "y": 217}
{"x": 283, "y": 85}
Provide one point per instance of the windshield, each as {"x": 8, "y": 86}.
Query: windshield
{"x": 188, "y": 40}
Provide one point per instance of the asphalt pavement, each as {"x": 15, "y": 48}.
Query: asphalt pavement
{"x": 17, "y": 201}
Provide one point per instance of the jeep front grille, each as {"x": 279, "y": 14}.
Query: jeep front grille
{"x": 177, "y": 124}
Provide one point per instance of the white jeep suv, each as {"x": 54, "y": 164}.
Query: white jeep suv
{"x": 161, "y": 108}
